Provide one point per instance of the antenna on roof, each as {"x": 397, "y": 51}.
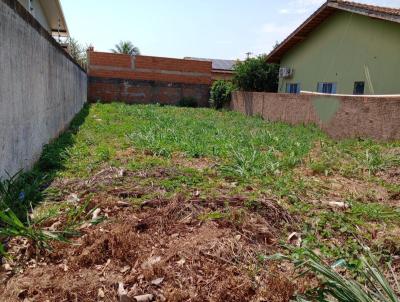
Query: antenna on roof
{"x": 248, "y": 54}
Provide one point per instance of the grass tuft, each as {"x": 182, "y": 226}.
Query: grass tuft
{"x": 369, "y": 285}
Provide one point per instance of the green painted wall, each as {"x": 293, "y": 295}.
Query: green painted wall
{"x": 344, "y": 49}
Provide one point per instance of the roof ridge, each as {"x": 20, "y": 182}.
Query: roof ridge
{"x": 375, "y": 8}
{"x": 324, "y": 12}
{"x": 210, "y": 59}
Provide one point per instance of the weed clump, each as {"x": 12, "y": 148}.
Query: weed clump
{"x": 368, "y": 284}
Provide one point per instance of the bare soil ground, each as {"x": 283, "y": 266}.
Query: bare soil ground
{"x": 159, "y": 248}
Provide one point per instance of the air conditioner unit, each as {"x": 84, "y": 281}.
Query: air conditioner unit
{"x": 285, "y": 72}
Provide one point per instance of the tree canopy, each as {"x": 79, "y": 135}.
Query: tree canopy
{"x": 77, "y": 52}
{"x": 256, "y": 74}
{"x": 126, "y": 47}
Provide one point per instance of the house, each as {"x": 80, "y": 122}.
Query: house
{"x": 343, "y": 48}
{"x": 50, "y": 15}
{"x": 221, "y": 69}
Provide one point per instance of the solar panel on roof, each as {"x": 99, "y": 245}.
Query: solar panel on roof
{"x": 217, "y": 64}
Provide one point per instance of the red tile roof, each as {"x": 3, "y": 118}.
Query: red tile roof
{"x": 371, "y": 8}
{"x": 324, "y": 12}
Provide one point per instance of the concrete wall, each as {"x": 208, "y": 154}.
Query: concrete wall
{"x": 344, "y": 49}
{"x": 145, "y": 79}
{"x": 41, "y": 88}
{"x": 340, "y": 116}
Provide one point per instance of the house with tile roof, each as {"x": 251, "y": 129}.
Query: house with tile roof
{"x": 343, "y": 48}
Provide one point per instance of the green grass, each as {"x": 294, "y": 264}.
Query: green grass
{"x": 355, "y": 158}
{"x": 245, "y": 150}
{"x": 242, "y": 156}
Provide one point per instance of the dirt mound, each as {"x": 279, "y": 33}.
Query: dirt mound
{"x": 172, "y": 249}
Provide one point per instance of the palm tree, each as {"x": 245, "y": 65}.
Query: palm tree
{"x": 126, "y": 47}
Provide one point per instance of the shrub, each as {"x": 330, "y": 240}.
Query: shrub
{"x": 17, "y": 193}
{"x": 188, "y": 101}
{"x": 221, "y": 93}
{"x": 255, "y": 74}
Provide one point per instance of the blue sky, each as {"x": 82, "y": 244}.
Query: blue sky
{"x": 224, "y": 29}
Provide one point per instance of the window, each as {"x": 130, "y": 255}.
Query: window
{"x": 292, "y": 88}
{"x": 327, "y": 88}
{"x": 359, "y": 88}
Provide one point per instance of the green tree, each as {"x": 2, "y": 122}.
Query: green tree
{"x": 256, "y": 74}
{"x": 126, "y": 47}
{"x": 221, "y": 93}
{"x": 77, "y": 52}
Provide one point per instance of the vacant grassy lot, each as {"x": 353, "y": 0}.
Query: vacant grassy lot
{"x": 188, "y": 204}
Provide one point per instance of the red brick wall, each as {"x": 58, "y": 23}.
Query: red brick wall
{"x": 145, "y": 79}
{"x": 117, "y": 66}
{"x": 144, "y": 92}
{"x": 340, "y": 116}
{"x": 174, "y": 64}
{"x": 109, "y": 59}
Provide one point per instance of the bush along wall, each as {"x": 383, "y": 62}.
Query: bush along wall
{"x": 255, "y": 74}
{"x": 220, "y": 94}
